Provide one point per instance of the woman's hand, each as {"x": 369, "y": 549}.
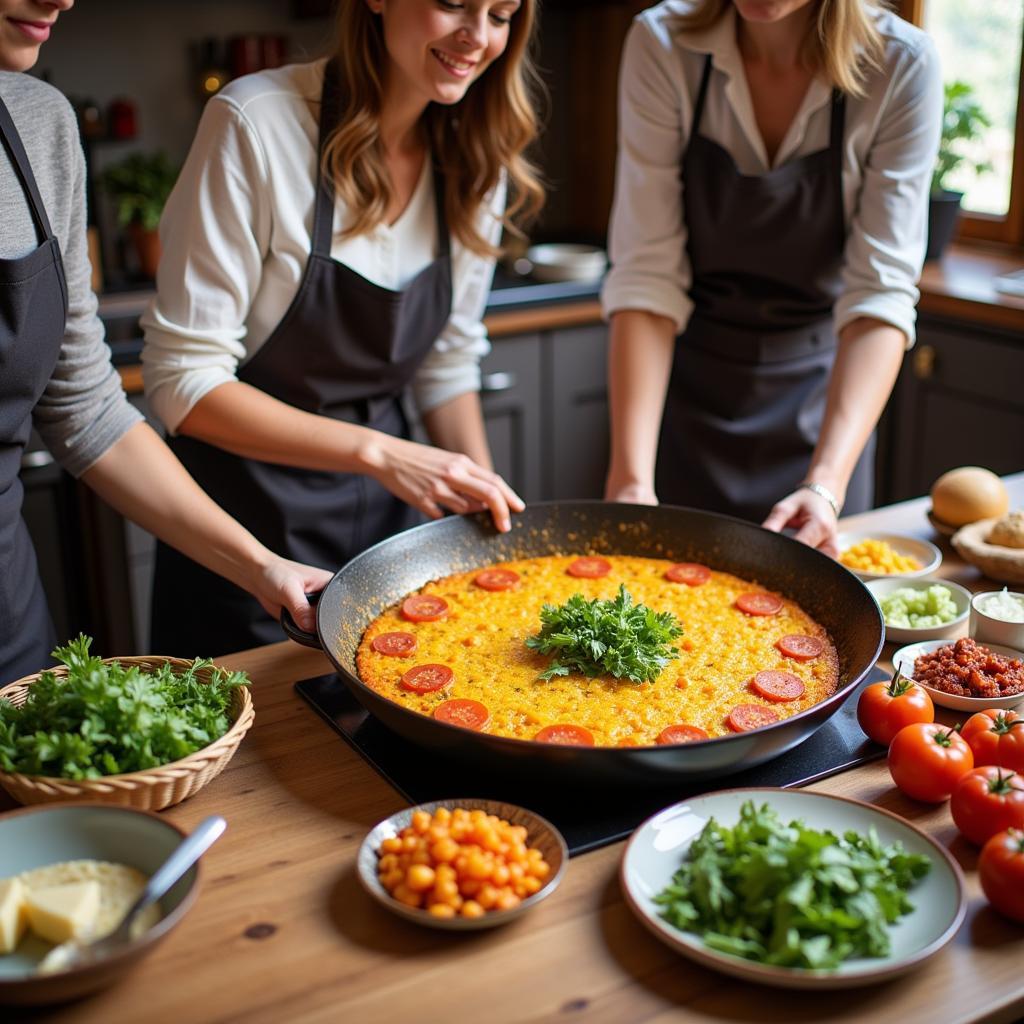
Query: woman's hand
{"x": 432, "y": 479}
{"x": 278, "y": 583}
{"x": 812, "y": 518}
{"x": 630, "y": 493}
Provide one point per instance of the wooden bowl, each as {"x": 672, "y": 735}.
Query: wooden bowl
{"x": 998, "y": 563}
{"x": 150, "y": 790}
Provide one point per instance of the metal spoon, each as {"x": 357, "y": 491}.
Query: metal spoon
{"x": 78, "y": 952}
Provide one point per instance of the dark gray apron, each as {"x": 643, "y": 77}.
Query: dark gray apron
{"x": 746, "y": 397}
{"x": 346, "y": 348}
{"x": 33, "y": 311}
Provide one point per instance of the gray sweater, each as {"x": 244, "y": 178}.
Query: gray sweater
{"x": 83, "y": 410}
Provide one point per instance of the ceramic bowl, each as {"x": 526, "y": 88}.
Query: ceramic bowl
{"x": 567, "y": 262}
{"x": 987, "y": 629}
{"x": 904, "y": 659}
{"x": 48, "y": 834}
{"x": 926, "y": 554}
{"x": 540, "y": 833}
{"x": 656, "y": 850}
{"x": 884, "y": 586}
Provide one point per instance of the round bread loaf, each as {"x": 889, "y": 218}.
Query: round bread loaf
{"x": 1008, "y": 532}
{"x": 968, "y": 494}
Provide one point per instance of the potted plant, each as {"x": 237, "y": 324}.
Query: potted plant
{"x": 963, "y": 124}
{"x": 140, "y": 185}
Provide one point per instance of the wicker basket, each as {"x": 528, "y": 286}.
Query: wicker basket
{"x": 150, "y": 790}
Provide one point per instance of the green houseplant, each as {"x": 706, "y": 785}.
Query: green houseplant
{"x": 963, "y": 125}
{"x": 140, "y": 185}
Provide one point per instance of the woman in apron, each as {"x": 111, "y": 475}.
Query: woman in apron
{"x": 768, "y": 231}
{"x": 330, "y": 242}
{"x": 55, "y": 369}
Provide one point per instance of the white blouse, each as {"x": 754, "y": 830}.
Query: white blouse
{"x": 236, "y": 238}
{"x": 890, "y": 143}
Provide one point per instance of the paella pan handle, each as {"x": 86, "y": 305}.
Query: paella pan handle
{"x": 292, "y": 630}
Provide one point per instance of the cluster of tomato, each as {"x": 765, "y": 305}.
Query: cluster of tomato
{"x": 979, "y": 768}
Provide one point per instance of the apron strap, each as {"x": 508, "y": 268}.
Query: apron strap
{"x": 19, "y": 159}
{"x": 702, "y": 92}
{"x": 443, "y": 235}
{"x": 835, "y": 146}
{"x": 323, "y": 210}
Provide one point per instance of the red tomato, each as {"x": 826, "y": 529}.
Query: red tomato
{"x": 690, "y": 573}
{"x": 927, "y": 760}
{"x": 397, "y": 645}
{"x": 801, "y": 648}
{"x": 470, "y": 714}
{"x": 496, "y": 579}
{"x": 427, "y": 678}
{"x": 682, "y": 734}
{"x": 996, "y": 737}
{"x": 885, "y": 708}
{"x": 777, "y": 686}
{"x": 424, "y": 608}
{"x": 589, "y": 568}
{"x": 986, "y": 801}
{"x": 1001, "y": 872}
{"x": 567, "y": 735}
{"x": 745, "y": 717}
{"x": 759, "y": 604}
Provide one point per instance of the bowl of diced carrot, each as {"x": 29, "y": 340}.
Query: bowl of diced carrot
{"x": 462, "y": 864}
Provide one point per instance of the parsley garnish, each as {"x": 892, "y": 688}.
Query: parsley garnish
{"x": 616, "y": 637}
{"x": 110, "y": 719}
{"x": 788, "y": 894}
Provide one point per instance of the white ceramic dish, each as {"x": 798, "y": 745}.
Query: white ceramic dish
{"x": 567, "y": 262}
{"x": 987, "y": 628}
{"x": 883, "y": 586}
{"x": 540, "y": 833}
{"x": 924, "y": 552}
{"x": 904, "y": 659}
{"x": 656, "y": 851}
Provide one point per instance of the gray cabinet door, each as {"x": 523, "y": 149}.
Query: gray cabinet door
{"x": 575, "y": 382}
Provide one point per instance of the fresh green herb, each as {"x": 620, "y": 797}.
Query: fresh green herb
{"x": 616, "y": 637}
{"x": 109, "y": 719}
{"x": 790, "y": 895}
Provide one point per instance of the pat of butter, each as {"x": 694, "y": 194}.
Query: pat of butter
{"x": 62, "y": 912}
{"x": 13, "y": 918}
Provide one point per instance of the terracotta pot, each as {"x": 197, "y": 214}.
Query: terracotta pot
{"x": 147, "y": 246}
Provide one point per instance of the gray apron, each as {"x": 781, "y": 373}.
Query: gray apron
{"x": 345, "y": 348}
{"x": 746, "y": 396}
{"x": 33, "y": 311}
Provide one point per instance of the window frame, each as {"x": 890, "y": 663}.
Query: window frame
{"x": 985, "y": 227}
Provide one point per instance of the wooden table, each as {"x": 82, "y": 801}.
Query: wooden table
{"x": 283, "y": 933}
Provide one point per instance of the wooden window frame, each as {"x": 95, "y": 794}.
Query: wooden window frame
{"x": 984, "y": 227}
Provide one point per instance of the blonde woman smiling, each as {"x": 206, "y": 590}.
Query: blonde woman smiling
{"x": 331, "y": 240}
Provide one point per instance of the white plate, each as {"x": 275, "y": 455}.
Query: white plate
{"x": 567, "y": 262}
{"x": 924, "y": 552}
{"x": 882, "y": 586}
{"x": 656, "y": 851}
{"x": 904, "y": 660}
{"x": 540, "y": 833}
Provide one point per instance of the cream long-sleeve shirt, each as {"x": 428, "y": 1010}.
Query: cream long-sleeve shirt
{"x": 236, "y": 239}
{"x": 889, "y": 147}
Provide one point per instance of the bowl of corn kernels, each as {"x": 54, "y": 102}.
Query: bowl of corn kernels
{"x": 875, "y": 556}
{"x": 462, "y": 864}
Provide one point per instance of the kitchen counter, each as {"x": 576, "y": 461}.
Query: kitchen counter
{"x": 283, "y": 932}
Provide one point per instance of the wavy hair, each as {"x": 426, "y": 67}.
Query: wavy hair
{"x": 471, "y": 142}
{"x": 843, "y": 40}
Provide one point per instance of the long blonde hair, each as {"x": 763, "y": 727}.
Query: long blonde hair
{"x": 843, "y": 42}
{"x": 472, "y": 141}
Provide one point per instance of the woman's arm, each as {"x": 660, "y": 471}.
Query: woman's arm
{"x": 639, "y": 364}
{"x": 140, "y": 477}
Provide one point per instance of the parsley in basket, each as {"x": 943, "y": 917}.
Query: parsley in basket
{"x": 616, "y": 637}
{"x": 109, "y": 719}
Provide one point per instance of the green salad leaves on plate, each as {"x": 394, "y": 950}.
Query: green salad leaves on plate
{"x": 616, "y": 637}
{"x": 790, "y": 895}
{"x": 109, "y": 719}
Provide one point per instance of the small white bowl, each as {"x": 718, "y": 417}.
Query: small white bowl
{"x": 926, "y": 554}
{"x": 904, "y": 660}
{"x": 540, "y": 833}
{"x": 883, "y": 586}
{"x": 987, "y": 628}
{"x": 566, "y": 262}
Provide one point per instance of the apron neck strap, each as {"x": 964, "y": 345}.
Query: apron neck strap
{"x": 19, "y": 160}
{"x": 702, "y": 92}
{"x": 835, "y": 148}
{"x": 443, "y": 239}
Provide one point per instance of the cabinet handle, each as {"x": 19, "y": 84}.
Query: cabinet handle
{"x": 500, "y": 380}
{"x": 36, "y": 460}
{"x": 924, "y": 362}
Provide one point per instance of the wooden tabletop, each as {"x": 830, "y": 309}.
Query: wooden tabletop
{"x": 281, "y": 931}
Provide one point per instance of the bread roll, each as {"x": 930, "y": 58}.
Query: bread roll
{"x": 968, "y": 494}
